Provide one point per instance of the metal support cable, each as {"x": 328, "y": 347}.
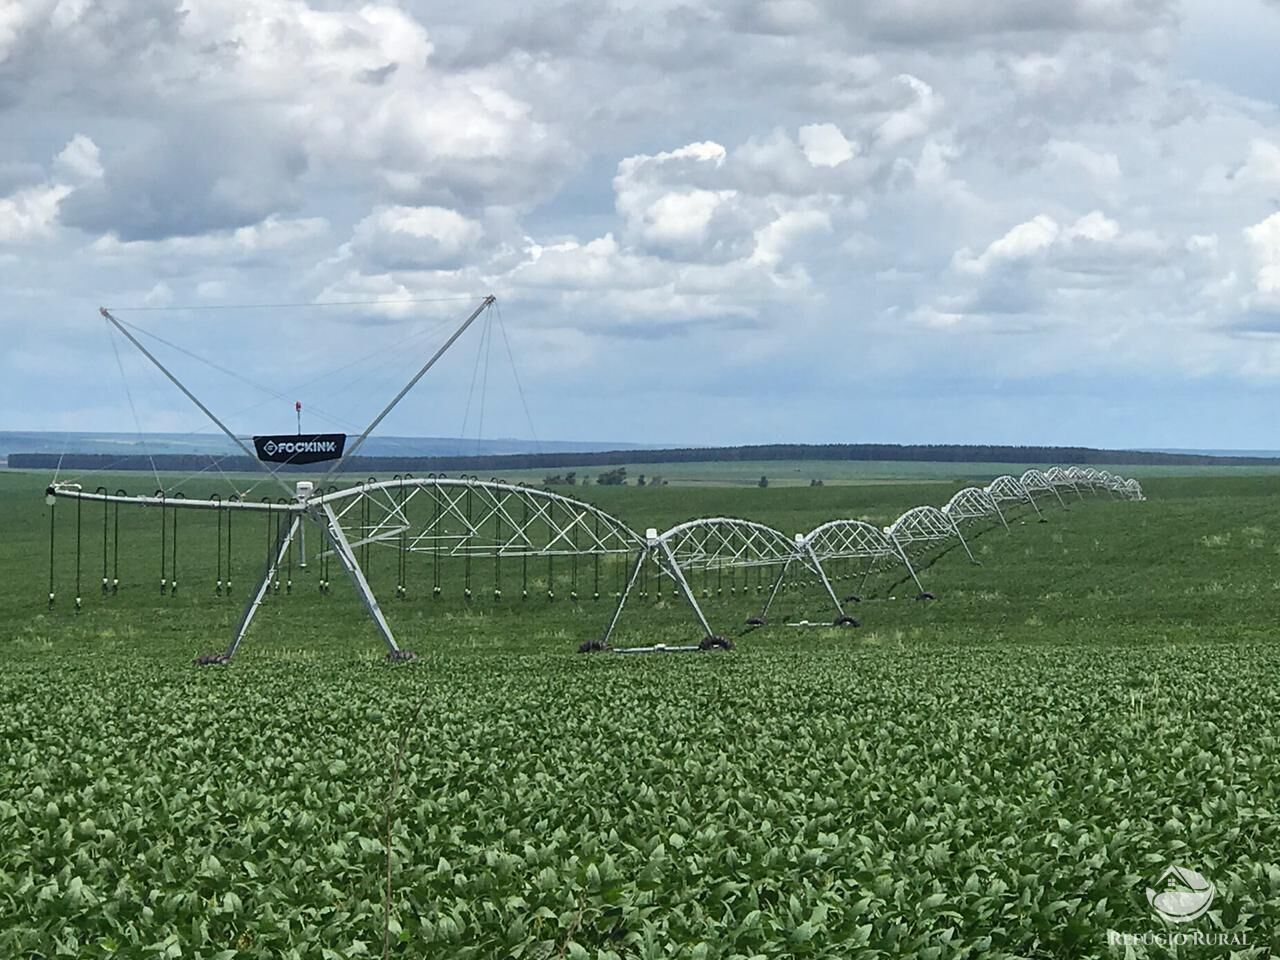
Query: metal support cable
{"x": 502, "y": 328}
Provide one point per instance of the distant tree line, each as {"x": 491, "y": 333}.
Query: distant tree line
{"x": 420, "y": 466}
{"x": 610, "y": 478}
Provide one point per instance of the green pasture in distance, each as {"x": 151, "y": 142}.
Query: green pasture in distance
{"x": 745, "y": 473}
{"x": 999, "y": 773}
{"x": 803, "y": 472}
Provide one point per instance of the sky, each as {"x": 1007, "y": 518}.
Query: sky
{"x": 916, "y": 221}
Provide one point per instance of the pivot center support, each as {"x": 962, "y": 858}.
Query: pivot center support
{"x": 325, "y": 518}
{"x": 330, "y": 525}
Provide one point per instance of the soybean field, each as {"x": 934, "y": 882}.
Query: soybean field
{"x": 1001, "y": 772}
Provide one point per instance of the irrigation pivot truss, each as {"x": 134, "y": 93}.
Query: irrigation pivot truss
{"x": 435, "y": 516}
{"x": 973, "y": 504}
{"x": 467, "y": 520}
{"x": 1033, "y": 481}
{"x": 1009, "y": 489}
{"x": 925, "y": 525}
{"x": 457, "y": 522}
{"x": 468, "y": 515}
{"x": 859, "y": 541}
{"x": 1062, "y": 480}
{"x": 715, "y": 545}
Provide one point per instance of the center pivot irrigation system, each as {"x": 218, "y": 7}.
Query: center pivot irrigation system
{"x": 849, "y": 550}
{"x": 456, "y": 526}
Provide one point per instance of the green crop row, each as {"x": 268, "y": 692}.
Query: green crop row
{"x": 1002, "y": 773}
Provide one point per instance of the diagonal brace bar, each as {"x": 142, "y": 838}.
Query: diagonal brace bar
{"x": 333, "y": 531}
{"x": 255, "y": 601}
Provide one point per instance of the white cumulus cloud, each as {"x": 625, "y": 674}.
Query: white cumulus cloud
{"x": 824, "y": 145}
{"x": 417, "y": 237}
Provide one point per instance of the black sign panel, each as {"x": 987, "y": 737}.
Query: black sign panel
{"x": 300, "y": 447}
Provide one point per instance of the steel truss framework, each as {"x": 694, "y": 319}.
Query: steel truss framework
{"x": 721, "y": 543}
{"x": 1127, "y": 488}
{"x": 1102, "y": 479}
{"x": 1034, "y": 481}
{"x": 1086, "y": 477}
{"x": 1063, "y": 481}
{"x": 972, "y": 504}
{"x": 454, "y": 517}
{"x": 717, "y": 544}
{"x": 858, "y": 540}
{"x": 478, "y": 517}
{"x": 1008, "y": 489}
{"x": 470, "y": 518}
{"x": 925, "y": 526}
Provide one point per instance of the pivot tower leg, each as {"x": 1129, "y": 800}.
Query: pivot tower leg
{"x": 255, "y": 601}
{"x": 678, "y": 577}
{"x": 333, "y": 530}
{"x": 622, "y": 600}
